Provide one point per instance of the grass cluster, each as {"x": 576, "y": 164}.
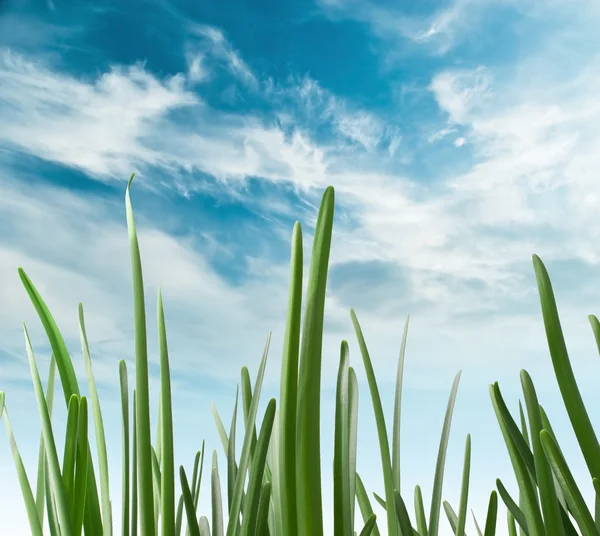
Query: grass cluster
{"x": 274, "y": 487}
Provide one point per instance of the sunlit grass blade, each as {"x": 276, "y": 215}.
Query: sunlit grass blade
{"x": 451, "y": 515}
{"x": 341, "y": 478}
{"x": 246, "y": 401}
{"x": 288, "y": 398}
{"x": 35, "y": 523}
{"x": 308, "y": 483}
{"x": 134, "y": 471}
{"x": 58, "y": 490}
{"x": 81, "y": 468}
{"x": 53, "y": 525}
{"x": 234, "y": 511}
{"x": 369, "y": 526}
{"x": 257, "y": 470}
{"x": 398, "y": 410}
{"x": 189, "y": 504}
{"x": 263, "y": 510}
{"x": 220, "y": 428}
{"x": 203, "y": 526}
{"x": 352, "y": 441}
{"x": 41, "y": 472}
{"x": 438, "y": 479}
{"x": 420, "y": 512}
{"x": 98, "y": 429}
{"x": 167, "y": 482}
{"x": 492, "y": 515}
{"x": 216, "y": 499}
{"x": 384, "y": 446}
{"x": 402, "y": 514}
{"x": 477, "y": 527}
{"x": 529, "y": 498}
{"x": 575, "y": 500}
{"x": 516, "y": 513}
{"x": 582, "y": 426}
{"x": 545, "y": 479}
{"x": 464, "y": 493}
{"x": 156, "y": 480}
{"x": 123, "y": 381}
{"x": 231, "y": 463}
{"x": 70, "y": 387}
{"x": 143, "y": 440}
{"x": 70, "y": 449}
{"x": 364, "y": 503}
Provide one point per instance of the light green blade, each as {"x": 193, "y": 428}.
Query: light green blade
{"x": 125, "y": 490}
{"x": 398, "y": 410}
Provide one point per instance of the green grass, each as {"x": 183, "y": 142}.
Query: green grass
{"x": 274, "y": 487}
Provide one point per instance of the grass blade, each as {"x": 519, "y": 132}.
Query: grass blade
{"x": 405, "y": 526}
{"x": 70, "y": 450}
{"x": 516, "y": 513}
{"x": 125, "y": 447}
{"x": 35, "y": 523}
{"x": 99, "y": 430}
{"x": 438, "y": 480}
{"x": 492, "y": 515}
{"x": 257, "y": 470}
{"x": 310, "y": 509}
{"x": 464, "y": 494}
{"x": 167, "y": 490}
{"x": 204, "y": 527}
{"x": 397, "y": 410}
{"x": 52, "y": 457}
{"x": 289, "y": 389}
{"x": 369, "y": 526}
{"x": 189, "y": 504}
{"x": 574, "y": 405}
{"x": 263, "y": 510}
{"x": 420, "y": 512}
{"x": 134, "y": 471}
{"x": 216, "y": 500}
{"x": 143, "y": 441}
{"x": 575, "y": 500}
{"x": 364, "y": 504}
{"x": 81, "y": 468}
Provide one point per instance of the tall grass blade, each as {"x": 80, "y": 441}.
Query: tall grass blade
{"x": 134, "y": 472}
{"x": 582, "y": 426}
{"x": 263, "y": 510}
{"x": 398, "y": 410}
{"x": 58, "y": 489}
{"x": 308, "y": 484}
{"x": 98, "y": 429}
{"x": 464, "y": 493}
{"x": 189, "y": 504}
{"x": 143, "y": 441}
{"x": 167, "y": 513}
{"x": 405, "y": 526}
{"x": 70, "y": 387}
{"x": 288, "y": 398}
{"x": 123, "y": 381}
{"x": 492, "y": 515}
{"x": 516, "y": 513}
{"x": 70, "y": 450}
{"x": 438, "y": 479}
{"x": 216, "y": 500}
{"x": 81, "y": 468}
{"x": 369, "y": 526}
{"x": 420, "y": 512}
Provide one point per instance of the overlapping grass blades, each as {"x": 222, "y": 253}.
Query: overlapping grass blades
{"x": 274, "y": 489}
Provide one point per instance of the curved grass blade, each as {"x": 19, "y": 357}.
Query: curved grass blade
{"x": 364, "y": 503}
{"x": 384, "y": 446}
{"x": 125, "y": 447}
{"x": 402, "y": 514}
{"x": 41, "y": 473}
{"x": 234, "y": 511}
{"x": 477, "y": 527}
{"x": 516, "y": 513}
{"x": 167, "y": 489}
{"x": 464, "y": 493}
{"x": 246, "y": 401}
{"x": 263, "y": 510}
{"x": 257, "y": 470}
{"x": 288, "y": 398}
{"x": 196, "y": 491}
{"x": 58, "y": 489}
{"x": 220, "y": 428}
{"x": 98, "y": 429}
{"x": 577, "y": 505}
{"x": 438, "y": 480}
{"x": 531, "y": 507}
{"x": 545, "y": 479}
{"x": 204, "y": 527}
{"x": 70, "y": 387}
{"x": 231, "y": 463}
{"x": 51, "y": 507}
{"x": 143, "y": 440}
{"x": 369, "y": 526}
{"x": 352, "y": 441}
{"x": 188, "y": 502}
{"x": 216, "y": 500}
{"x": 81, "y": 468}
{"x": 398, "y": 410}
{"x": 451, "y": 515}
{"x": 582, "y": 426}
{"x": 35, "y": 523}
{"x": 308, "y": 432}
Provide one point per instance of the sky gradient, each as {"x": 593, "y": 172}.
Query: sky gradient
{"x": 461, "y": 137}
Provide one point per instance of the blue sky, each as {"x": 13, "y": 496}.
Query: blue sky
{"x": 461, "y": 137}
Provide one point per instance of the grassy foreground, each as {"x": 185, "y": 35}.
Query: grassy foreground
{"x": 274, "y": 488}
